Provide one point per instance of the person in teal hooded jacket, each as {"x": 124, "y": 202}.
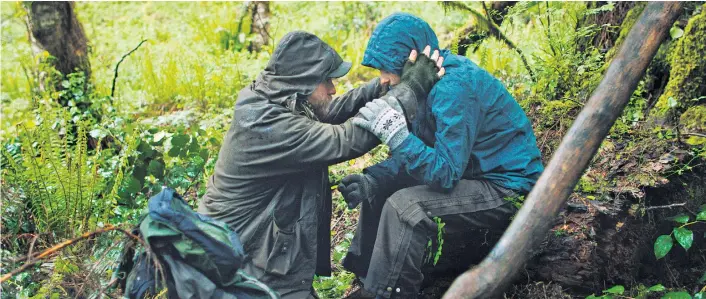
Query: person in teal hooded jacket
{"x": 469, "y": 147}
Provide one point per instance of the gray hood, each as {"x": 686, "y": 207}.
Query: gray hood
{"x": 299, "y": 63}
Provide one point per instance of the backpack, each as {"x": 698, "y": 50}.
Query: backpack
{"x": 190, "y": 256}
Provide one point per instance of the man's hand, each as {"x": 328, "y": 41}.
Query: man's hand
{"x": 418, "y": 77}
{"x": 422, "y": 73}
{"x": 356, "y": 188}
{"x": 385, "y": 122}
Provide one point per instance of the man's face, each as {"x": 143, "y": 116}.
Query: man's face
{"x": 321, "y": 98}
{"x": 389, "y": 79}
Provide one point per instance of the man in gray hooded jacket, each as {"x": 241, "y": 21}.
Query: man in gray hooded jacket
{"x": 271, "y": 183}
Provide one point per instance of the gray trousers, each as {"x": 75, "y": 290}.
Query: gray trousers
{"x": 392, "y": 234}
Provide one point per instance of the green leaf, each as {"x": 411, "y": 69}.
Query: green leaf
{"x": 174, "y": 151}
{"x": 684, "y": 236}
{"x": 656, "y": 288}
{"x": 663, "y": 245}
{"x": 700, "y": 295}
{"x": 701, "y": 216}
{"x": 194, "y": 147}
{"x": 133, "y": 185}
{"x": 676, "y": 295}
{"x": 204, "y": 154}
{"x": 593, "y": 296}
{"x": 671, "y": 102}
{"x": 158, "y": 138}
{"x": 180, "y": 140}
{"x": 682, "y": 218}
{"x": 98, "y": 133}
{"x": 156, "y": 168}
{"x": 616, "y": 290}
{"x": 676, "y": 32}
{"x": 145, "y": 149}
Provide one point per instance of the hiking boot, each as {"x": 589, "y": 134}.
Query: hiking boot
{"x": 356, "y": 291}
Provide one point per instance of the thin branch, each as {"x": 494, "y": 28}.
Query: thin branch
{"x": 666, "y": 206}
{"x": 115, "y": 77}
{"x": 695, "y": 134}
{"x": 492, "y": 29}
{"x": 32, "y": 260}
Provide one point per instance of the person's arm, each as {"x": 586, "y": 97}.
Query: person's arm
{"x": 344, "y": 107}
{"x": 285, "y": 143}
{"x": 389, "y": 177}
{"x": 457, "y": 112}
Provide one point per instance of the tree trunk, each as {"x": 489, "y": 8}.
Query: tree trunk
{"x": 533, "y": 221}
{"x": 54, "y": 28}
{"x": 606, "y": 37}
{"x": 260, "y": 27}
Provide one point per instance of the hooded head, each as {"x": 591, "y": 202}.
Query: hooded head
{"x": 392, "y": 40}
{"x": 300, "y": 62}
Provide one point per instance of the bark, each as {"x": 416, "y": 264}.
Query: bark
{"x": 607, "y": 36}
{"x": 533, "y": 221}
{"x": 260, "y": 27}
{"x": 54, "y": 28}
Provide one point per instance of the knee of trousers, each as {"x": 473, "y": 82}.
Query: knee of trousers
{"x": 405, "y": 206}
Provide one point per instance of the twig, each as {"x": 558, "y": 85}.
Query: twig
{"x": 694, "y": 134}
{"x": 493, "y": 30}
{"x": 52, "y": 250}
{"x": 31, "y": 248}
{"x": 115, "y": 77}
{"x": 666, "y": 206}
{"x": 48, "y": 252}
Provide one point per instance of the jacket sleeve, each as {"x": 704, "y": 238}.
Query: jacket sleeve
{"x": 283, "y": 142}
{"x": 457, "y": 112}
{"x": 389, "y": 177}
{"x": 348, "y": 104}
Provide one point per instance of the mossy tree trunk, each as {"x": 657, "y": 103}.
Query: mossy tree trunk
{"x": 54, "y": 28}
{"x": 683, "y": 102}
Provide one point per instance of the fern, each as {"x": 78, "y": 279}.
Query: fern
{"x": 52, "y": 172}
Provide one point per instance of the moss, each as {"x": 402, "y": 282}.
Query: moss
{"x": 693, "y": 120}
{"x": 687, "y": 77}
{"x": 630, "y": 19}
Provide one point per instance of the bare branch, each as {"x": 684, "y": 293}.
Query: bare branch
{"x": 666, "y": 206}
{"x": 115, "y": 77}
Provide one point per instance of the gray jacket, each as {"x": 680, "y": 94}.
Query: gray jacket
{"x": 271, "y": 183}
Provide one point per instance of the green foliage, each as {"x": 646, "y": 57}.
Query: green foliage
{"x": 683, "y": 235}
{"x": 641, "y": 292}
{"x": 55, "y": 175}
{"x": 662, "y": 246}
{"x": 686, "y": 77}
{"x": 334, "y": 286}
{"x": 432, "y": 256}
{"x": 97, "y": 160}
{"x": 516, "y": 201}
{"x": 676, "y": 295}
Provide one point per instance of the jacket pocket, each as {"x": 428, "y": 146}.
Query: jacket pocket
{"x": 282, "y": 256}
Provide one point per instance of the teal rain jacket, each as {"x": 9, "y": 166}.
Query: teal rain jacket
{"x": 470, "y": 128}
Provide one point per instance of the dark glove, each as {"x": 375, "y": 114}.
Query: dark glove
{"x": 416, "y": 82}
{"x": 357, "y": 187}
